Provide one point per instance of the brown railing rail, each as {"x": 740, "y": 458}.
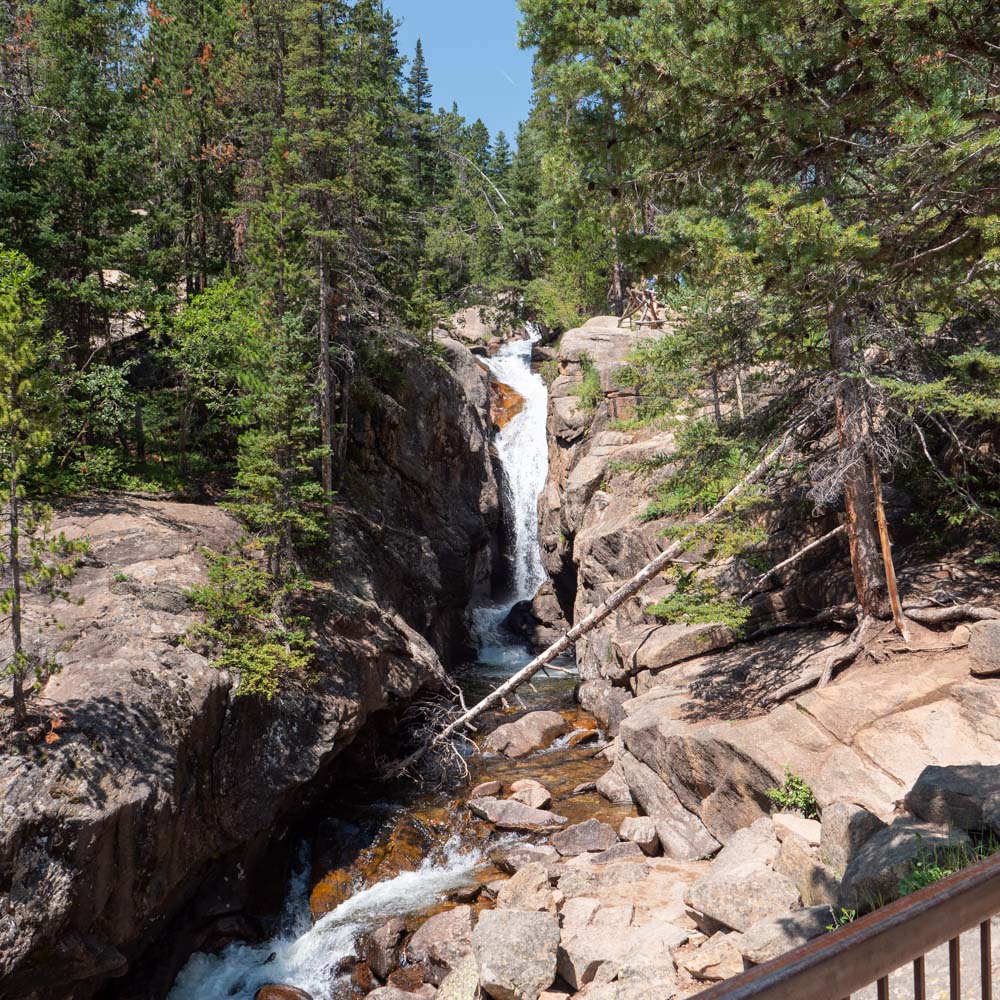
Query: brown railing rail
{"x": 868, "y": 951}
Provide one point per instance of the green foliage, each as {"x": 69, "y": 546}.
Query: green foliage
{"x": 47, "y": 562}
{"x": 795, "y": 795}
{"x": 841, "y": 918}
{"x": 589, "y": 392}
{"x": 244, "y": 621}
{"x": 698, "y": 602}
{"x": 931, "y": 866}
{"x": 710, "y": 462}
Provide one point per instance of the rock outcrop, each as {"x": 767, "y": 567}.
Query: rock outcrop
{"x": 155, "y": 784}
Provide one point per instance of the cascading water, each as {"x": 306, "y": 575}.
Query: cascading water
{"x": 522, "y": 448}
{"x": 308, "y": 954}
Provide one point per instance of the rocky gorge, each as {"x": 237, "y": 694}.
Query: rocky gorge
{"x": 623, "y": 834}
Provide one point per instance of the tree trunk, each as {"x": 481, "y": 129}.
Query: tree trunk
{"x": 326, "y": 382}
{"x": 716, "y": 401}
{"x": 20, "y": 704}
{"x": 854, "y": 436}
{"x": 140, "y": 433}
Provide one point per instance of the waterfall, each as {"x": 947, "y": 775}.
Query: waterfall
{"x": 523, "y": 452}
{"x": 308, "y": 954}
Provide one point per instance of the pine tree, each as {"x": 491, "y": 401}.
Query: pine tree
{"x": 70, "y": 183}
{"x": 191, "y": 131}
{"x": 846, "y": 166}
{"x": 30, "y": 558}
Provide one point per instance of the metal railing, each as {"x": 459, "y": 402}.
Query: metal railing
{"x": 867, "y": 951}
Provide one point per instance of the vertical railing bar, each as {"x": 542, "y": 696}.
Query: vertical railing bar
{"x": 955, "y": 968}
{"x": 883, "y": 988}
{"x": 986, "y": 958}
{"x": 919, "y": 979}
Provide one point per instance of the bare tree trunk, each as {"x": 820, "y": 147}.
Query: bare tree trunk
{"x": 598, "y": 615}
{"x": 140, "y": 433}
{"x": 890, "y": 569}
{"x": 740, "y": 405}
{"x": 811, "y": 547}
{"x": 14, "y": 555}
{"x": 716, "y": 401}
{"x": 854, "y": 433}
{"x": 326, "y": 381}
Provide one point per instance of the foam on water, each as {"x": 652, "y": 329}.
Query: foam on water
{"x": 306, "y": 954}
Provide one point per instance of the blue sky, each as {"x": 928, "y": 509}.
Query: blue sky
{"x": 473, "y": 57}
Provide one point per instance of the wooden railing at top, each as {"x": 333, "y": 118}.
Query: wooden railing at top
{"x": 867, "y": 951}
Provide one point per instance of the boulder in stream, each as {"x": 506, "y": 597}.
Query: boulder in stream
{"x": 535, "y": 731}
{"x": 508, "y": 814}
{"x": 442, "y": 942}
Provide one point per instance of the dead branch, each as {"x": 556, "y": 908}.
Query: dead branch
{"x": 953, "y": 613}
{"x": 812, "y": 546}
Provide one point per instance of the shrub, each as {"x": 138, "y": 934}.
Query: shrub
{"x": 794, "y": 794}
{"x": 244, "y": 621}
{"x": 699, "y": 602}
{"x": 590, "y": 391}
{"x": 841, "y": 919}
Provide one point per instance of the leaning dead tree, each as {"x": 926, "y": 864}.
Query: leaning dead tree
{"x": 628, "y": 590}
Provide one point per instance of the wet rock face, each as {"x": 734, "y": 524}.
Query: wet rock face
{"x": 505, "y": 403}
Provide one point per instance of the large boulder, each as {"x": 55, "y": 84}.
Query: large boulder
{"x": 873, "y": 876}
{"x": 809, "y": 830}
{"x": 513, "y": 859}
{"x": 610, "y": 943}
{"x": 742, "y": 887}
{"x": 462, "y": 983}
{"x": 591, "y": 835}
{"x": 380, "y": 949}
{"x": 529, "y": 889}
{"x": 641, "y": 830}
{"x": 613, "y": 786}
{"x": 507, "y": 814}
{"x": 964, "y": 796}
{"x": 516, "y": 953}
{"x": 984, "y": 649}
{"x": 682, "y": 834}
{"x": 534, "y": 731}
{"x": 773, "y": 936}
{"x": 281, "y": 993}
{"x": 442, "y": 942}
{"x": 717, "y": 959}
{"x": 846, "y": 828}
{"x": 816, "y": 883}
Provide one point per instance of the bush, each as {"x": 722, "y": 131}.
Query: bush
{"x": 795, "y": 795}
{"x": 244, "y": 622}
{"x": 699, "y": 602}
{"x": 590, "y": 392}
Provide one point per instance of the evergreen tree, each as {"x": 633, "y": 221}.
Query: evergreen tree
{"x": 70, "y": 181}
{"x": 30, "y": 559}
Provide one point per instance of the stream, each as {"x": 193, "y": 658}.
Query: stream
{"x": 444, "y": 850}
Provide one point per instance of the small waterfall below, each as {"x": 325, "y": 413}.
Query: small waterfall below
{"x": 308, "y": 954}
{"x": 523, "y": 452}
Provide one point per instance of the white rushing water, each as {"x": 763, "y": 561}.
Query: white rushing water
{"x": 523, "y": 450}
{"x": 305, "y": 954}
